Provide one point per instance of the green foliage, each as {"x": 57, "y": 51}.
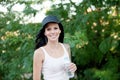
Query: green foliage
{"x": 91, "y": 28}
{"x": 17, "y": 48}
{"x": 29, "y": 10}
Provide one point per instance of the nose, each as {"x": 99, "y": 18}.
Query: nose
{"x": 52, "y": 31}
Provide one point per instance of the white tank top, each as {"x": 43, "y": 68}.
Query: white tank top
{"x": 53, "y": 68}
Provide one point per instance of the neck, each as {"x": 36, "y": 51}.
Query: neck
{"x": 53, "y": 44}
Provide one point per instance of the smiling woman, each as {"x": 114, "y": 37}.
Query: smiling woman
{"x": 52, "y": 31}
{"x": 50, "y": 52}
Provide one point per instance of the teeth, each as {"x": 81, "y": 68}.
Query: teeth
{"x": 53, "y": 36}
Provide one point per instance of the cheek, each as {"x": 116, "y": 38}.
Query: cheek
{"x": 45, "y": 33}
{"x": 59, "y": 31}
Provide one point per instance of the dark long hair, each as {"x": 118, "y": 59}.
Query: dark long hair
{"x": 41, "y": 39}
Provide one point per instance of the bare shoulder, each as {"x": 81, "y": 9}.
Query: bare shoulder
{"x": 67, "y": 46}
{"x": 38, "y": 54}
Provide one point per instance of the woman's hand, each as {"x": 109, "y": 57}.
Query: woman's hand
{"x": 72, "y": 67}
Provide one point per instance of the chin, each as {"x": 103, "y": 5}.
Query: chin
{"x": 53, "y": 39}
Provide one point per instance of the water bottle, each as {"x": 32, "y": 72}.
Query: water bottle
{"x": 66, "y": 66}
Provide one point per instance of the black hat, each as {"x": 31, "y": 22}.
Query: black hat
{"x": 50, "y": 19}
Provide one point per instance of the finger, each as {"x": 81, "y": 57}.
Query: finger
{"x": 73, "y": 67}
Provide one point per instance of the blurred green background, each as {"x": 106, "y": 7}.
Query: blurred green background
{"x": 92, "y": 28}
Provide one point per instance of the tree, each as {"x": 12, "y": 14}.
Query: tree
{"x": 91, "y": 28}
{"x": 17, "y": 40}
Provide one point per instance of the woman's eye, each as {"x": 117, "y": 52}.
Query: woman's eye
{"x": 48, "y": 29}
{"x": 55, "y": 28}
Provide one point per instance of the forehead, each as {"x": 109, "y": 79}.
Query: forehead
{"x": 52, "y": 24}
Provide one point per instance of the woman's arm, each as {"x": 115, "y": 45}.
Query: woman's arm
{"x": 37, "y": 64}
{"x": 73, "y": 66}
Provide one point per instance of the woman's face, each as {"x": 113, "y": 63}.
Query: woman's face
{"x": 52, "y": 31}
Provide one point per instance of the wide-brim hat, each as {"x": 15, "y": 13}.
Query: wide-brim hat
{"x": 49, "y": 19}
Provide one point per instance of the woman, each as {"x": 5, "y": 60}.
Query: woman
{"x": 50, "y": 52}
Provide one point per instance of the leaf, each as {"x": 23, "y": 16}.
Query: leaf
{"x": 105, "y": 45}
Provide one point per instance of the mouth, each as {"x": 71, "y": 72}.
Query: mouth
{"x": 53, "y": 36}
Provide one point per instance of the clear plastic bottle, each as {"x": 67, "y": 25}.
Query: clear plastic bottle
{"x": 66, "y": 66}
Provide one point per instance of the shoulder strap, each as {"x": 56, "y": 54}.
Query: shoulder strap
{"x": 43, "y": 49}
{"x": 64, "y": 49}
{"x": 45, "y": 52}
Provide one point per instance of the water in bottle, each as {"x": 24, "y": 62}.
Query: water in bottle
{"x": 66, "y": 66}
